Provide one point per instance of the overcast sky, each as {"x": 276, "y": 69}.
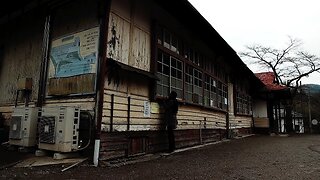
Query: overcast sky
{"x": 265, "y": 22}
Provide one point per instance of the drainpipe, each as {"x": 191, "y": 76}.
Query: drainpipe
{"x": 104, "y": 11}
{"x": 44, "y": 62}
{"x": 227, "y": 125}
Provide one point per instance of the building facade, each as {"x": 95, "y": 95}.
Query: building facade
{"x": 118, "y": 60}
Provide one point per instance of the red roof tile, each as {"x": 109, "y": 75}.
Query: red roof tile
{"x": 268, "y": 79}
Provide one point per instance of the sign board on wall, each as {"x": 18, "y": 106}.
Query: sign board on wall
{"x": 73, "y": 57}
{"x": 146, "y": 109}
{"x": 74, "y": 54}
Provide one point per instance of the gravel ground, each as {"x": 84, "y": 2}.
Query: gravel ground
{"x": 257, "y": 157}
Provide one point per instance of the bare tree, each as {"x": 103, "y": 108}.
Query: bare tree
{"x": 289, "y": 66}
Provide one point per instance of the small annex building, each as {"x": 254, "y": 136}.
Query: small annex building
{"x": 270, "y": 113}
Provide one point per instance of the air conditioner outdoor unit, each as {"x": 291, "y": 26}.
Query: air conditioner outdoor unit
{"x": 59, "y": 129}
{"x": 23, "y": 126}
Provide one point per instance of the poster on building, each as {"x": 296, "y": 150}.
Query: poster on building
{"x": 73, "y": 63}
{"x": 74, "y": 54}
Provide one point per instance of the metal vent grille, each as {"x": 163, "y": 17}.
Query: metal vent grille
{"x": 15, "y": 127}
{"x": 47, "y": 129}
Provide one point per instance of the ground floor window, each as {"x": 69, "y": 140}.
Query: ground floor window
{"x": 170, "y": 74}
{"x": 244, "y": 105}
{"x": 191, "y": 83}
{"x": 215, "y": 93}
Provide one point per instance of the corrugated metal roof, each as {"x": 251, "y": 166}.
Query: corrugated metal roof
{"x": 268, "y": 79}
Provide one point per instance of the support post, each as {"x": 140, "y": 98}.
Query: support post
{"x": 104, "y": 11}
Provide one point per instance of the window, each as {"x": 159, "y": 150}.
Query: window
{"x": 210, "y": 92}
{"x": 190, "y": 74}
{"x": 193, "y": 84}
{"x": 222, "y": 95}
{"x": 243, "y": 101}
{"x": 194, "y": 56}
{"x": 170, "y": 75}
{"x": 169, "y": 41}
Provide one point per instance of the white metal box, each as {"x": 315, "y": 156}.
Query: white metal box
{"x": 59, "y": 128}
{"x": 23, "y": 126}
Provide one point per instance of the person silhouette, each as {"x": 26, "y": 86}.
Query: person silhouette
{"x": 171, "y": 110}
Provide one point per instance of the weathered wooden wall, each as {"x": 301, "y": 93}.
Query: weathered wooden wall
{"x": 189, "y": 117}
{"x": 240, "y": 122}
{"x": 69, "y": 19}
{"x": 129, "y": 34}
{"x": 74, "y": 17}
{"x": 260, "y": 115}
{"x": 236, "y": 121}
{"x": 6, "y": 113}
{"x": 69, "y": 85}
{"x": 261, "y": 122}
{"x": 21, "y": 40}
{"x": 129, "y": 143}
{"x": 125, "y": 128}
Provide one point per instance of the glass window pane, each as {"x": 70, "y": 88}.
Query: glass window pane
{"x": 179, "y": 75}
{"x": 166, "y": 70}
{"x": 159, "y": 67}
{"x": 166, "y": 59}
{"x": 179, "y": 65}
{"x": 167, "y": 39}
{"x": 174, "y": 43}
{"x": 173, "y": 73}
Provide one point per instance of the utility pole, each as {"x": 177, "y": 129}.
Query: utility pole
{"x": 309, "y": 109}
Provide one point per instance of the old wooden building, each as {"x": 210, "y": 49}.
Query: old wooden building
{"x": 116, "y": 61}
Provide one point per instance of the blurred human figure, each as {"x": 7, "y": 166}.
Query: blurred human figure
{"x": 171, "y": 110}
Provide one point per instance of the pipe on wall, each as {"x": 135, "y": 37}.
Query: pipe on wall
{"x": 111, "y": 112}
{"x": 128, "y": 113}
{"x": 44, "y": 62}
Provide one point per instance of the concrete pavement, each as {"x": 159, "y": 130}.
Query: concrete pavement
{"x": 257, "y": 157}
